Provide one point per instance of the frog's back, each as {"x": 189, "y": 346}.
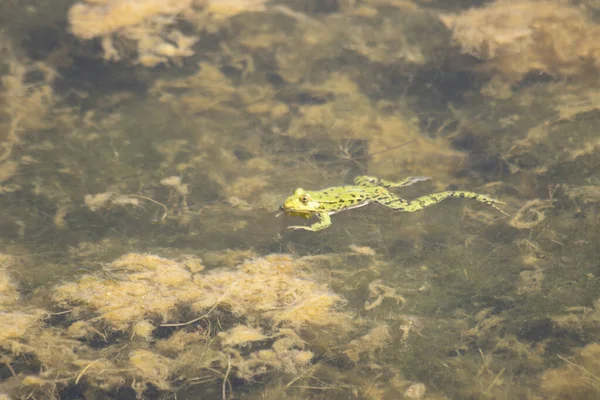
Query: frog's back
{"x": 340, "y": 198}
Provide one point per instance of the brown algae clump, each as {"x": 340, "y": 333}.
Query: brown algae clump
{"x": 136, "y": 287}
{"x": 578, "y": 378}
{"x": 14, "y": 321}
{"x": 245, "y": 321}
{"x": 150, "y": 25}
{"x": 516, "y": 38}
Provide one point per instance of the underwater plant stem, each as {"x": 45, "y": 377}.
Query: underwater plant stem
{"x": 207, "y": 313}
{"x": 583, "y": 369}
{"x": 10, "y": 368}
{"x": 391, "y": 148}
{"x": 226, "y": 378}
{"x": 162, "y": 218}
{"x": 83, "y": 371}
{"x": 195, "y": 319}
{"x": 496, "y": 379}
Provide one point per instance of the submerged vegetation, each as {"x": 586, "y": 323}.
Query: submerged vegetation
{"x": 145, "y": 147}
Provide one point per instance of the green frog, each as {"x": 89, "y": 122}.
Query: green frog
{"x": 366, "y": 189}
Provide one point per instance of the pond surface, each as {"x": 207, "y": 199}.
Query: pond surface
{"x": 147, "y": 146}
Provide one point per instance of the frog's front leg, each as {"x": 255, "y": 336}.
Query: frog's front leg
{"x": 324, "y": 222}
{"x": 374, "y": 181}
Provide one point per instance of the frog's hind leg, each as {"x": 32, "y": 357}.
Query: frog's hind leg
{"x": 397, "y": 203}
{"x": 373, "y": 181}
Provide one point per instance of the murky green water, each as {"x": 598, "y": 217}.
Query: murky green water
{"x": 146, "y": 147}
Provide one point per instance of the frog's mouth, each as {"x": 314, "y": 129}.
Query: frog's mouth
{"x": 293, "y": 213}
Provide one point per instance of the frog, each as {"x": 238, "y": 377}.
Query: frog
{"x": 366, "y": 189}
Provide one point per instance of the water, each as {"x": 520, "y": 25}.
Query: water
{"x": 142, "y": 168}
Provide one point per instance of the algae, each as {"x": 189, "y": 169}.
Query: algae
{"x": 145, "y": 147}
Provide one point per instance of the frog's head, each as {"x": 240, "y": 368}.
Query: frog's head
{"x": 300, "y": 204}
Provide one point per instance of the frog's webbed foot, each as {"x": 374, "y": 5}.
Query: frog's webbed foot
{"x": 374, "y": 181}
{"x": 405, "y": 182}
{"x": 324, "y": 222}
{"x": 494, "y": 204}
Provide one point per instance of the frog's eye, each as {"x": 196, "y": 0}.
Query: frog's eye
{"x": 304, "y": 198}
